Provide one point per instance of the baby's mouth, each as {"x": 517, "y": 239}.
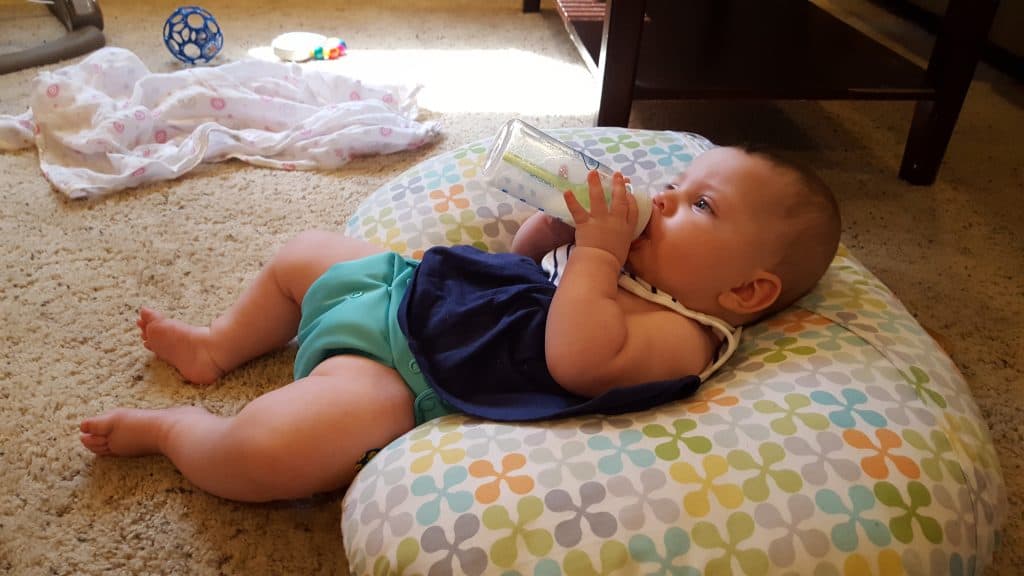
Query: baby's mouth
{"x": 641, "y": 238}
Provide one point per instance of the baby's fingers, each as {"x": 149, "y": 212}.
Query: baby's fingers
{"x": 576, "y": 210}
{"x": 620, "y": 198}
{"x": 597, "y": 204}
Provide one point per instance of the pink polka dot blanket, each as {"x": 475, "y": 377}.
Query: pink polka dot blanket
{"x": 108, "y": 123}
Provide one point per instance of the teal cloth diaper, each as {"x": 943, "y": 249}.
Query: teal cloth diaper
{"x": 353, "y": 309}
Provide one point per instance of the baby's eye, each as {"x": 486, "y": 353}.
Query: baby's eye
{"x": 703, "y": 205}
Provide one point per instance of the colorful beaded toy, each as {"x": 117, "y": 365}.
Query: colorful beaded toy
{"x": 302, "y": 46}
{"x": 330, "y": 50}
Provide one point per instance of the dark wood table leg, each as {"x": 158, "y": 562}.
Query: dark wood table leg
{"x": 951, "y": 67}
{"x": 620, "y": 47}
{"x": 531, "y": 5}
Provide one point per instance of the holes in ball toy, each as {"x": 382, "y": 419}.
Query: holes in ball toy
{"x": 192, "y": 35}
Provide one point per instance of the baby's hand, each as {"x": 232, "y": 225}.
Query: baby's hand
{"x": 607, "y": 227}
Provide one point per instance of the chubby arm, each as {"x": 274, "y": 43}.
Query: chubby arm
{"x": 591, "y": 343}
{"x": 540, "y": 234}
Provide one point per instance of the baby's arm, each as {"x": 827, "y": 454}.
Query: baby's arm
{"x": 591, "y": 343}
{"x": 540, "y": 234}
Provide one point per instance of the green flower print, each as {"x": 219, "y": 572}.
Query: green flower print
{"x": 757, "y": 488}
{"x": 939, "y": 447}
{"x": 903, "y": 526}
{"x": 670, "y": 450}
{"x": 918, "y": 378}
{"x": 505, "y": 550}
{"x": 795, "y": 403}
{"x": 614, "y": 145}
{"x": 405, "y": 555}
{"x": 613, "y": 556}
{"x": 465, "y": 225}
{"x": 740, "y": 526}
{"x": 783, "y": 348}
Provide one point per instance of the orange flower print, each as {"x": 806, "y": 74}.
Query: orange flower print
{"x": 702, "y": 403}
{"x": 490, "y": 491}
{"x": 798, "y": 321}
{"x": 448, "y": 198}
{"x": 875, "y": 466}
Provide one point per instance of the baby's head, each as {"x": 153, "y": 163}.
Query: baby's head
{"x": 738, "y": 235}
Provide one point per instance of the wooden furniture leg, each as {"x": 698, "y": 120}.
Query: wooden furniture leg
{"x": 620, "y": 48}
{"x": 951, "y": 67}
{"x": 531, "y": 5}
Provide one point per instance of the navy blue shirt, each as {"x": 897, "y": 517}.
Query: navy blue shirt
{"x": 475, "y": 322}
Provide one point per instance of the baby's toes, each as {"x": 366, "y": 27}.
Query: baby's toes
{"x": 97, "y": 444}
{"x": 147, "y": 315}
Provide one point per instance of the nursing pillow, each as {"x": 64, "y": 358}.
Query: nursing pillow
{"x": 839, "y": 439}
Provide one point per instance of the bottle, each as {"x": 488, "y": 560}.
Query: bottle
{"x": 530, "y": 165}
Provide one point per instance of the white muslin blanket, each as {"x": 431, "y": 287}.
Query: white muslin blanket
{"x": 108, "y": 123}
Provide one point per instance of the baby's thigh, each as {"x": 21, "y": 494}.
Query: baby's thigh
{"x": 304, "y": 258}
{"x": 312, "y": 433}
{"x": 373, "y": 399}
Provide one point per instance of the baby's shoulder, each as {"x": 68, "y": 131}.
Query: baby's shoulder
{"x": 678, "y": 345}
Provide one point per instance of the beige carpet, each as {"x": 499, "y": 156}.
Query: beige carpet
{"x": 72, "y": 274}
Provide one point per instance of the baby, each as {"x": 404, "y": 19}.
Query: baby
{"x": 608, "y": 324}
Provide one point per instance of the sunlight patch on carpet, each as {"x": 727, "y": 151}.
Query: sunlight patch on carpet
{"x": 468, "y": 81}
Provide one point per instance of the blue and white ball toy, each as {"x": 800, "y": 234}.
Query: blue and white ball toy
{"x": 192, "y": 35}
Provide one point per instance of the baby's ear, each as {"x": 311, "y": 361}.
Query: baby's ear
{"x": 754, "y": 295}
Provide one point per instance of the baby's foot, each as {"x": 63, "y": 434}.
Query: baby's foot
{"x": 126, "y": 432}
{"x": 181, "y": 345}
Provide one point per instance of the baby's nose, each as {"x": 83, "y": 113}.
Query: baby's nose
{"x": 662, "y": 201}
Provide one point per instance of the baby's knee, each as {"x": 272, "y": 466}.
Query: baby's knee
{"x": 307, "y": 243}
{"x": 308, "y": 239}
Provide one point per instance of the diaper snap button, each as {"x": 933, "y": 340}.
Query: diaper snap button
{"x": 355, "y": 294}
{"x": 414, "y": 367}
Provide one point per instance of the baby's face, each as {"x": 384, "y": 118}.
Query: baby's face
{"x": 712, "y": 227}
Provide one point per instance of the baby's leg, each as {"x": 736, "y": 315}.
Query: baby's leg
{"x": 264, "y": 318}
{"x": 292, "y": 442}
